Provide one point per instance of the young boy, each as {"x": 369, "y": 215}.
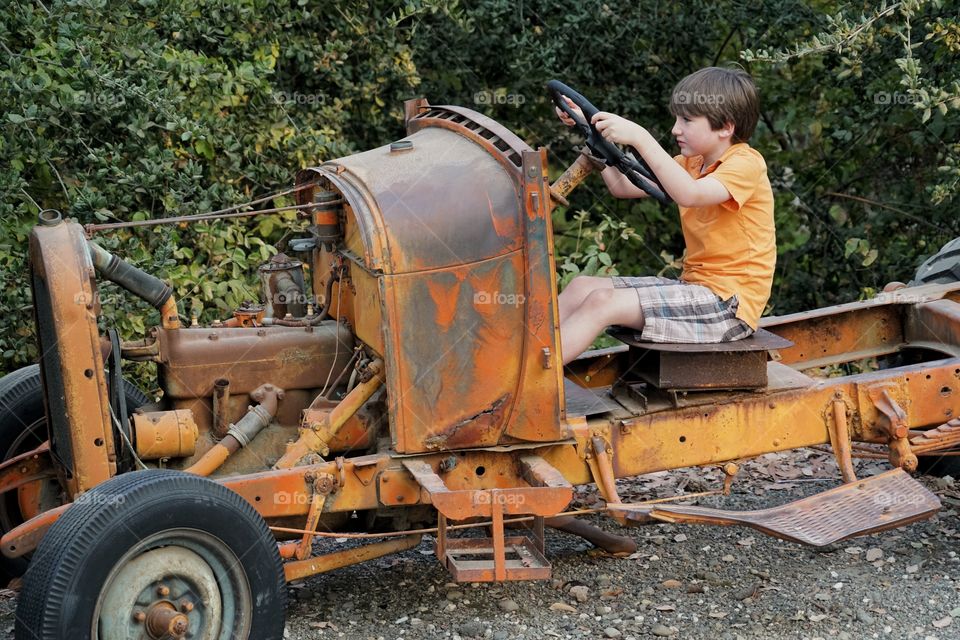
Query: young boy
{"x": 726, "y": 213}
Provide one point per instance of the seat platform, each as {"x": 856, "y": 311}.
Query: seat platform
{"x": 741, "y": 364}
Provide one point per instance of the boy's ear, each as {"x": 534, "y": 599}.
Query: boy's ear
{"x": 726, "y": 131}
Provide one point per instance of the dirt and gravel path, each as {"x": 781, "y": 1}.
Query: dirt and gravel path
{"x": 684, "y": 581}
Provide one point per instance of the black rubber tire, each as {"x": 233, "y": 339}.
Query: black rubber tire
{"x": 943, "y": 267}
{"x": 64, "y": 583}
{"x": 23, "y": 428}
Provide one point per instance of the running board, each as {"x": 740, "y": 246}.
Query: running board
{"x": 885, "y": 501}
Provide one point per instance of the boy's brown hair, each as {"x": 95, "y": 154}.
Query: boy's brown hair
{"x": 720, "y": 95}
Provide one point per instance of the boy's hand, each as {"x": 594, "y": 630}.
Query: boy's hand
{"x": 564, "y": 118}
{"x": 617, "y": 129}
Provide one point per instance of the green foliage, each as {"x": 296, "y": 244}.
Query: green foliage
{"x": 144, "y": 109}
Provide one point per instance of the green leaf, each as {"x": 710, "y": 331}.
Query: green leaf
{"x": 850, "y": 247}
{"x": 204, "y": 148}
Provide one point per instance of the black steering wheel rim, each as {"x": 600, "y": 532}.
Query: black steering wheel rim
{"x": 635, "y": 169}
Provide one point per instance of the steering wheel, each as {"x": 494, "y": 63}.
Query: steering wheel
{"x": 635, "y": 169}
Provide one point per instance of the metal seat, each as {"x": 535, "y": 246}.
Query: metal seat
{"x": 741, "y": 364}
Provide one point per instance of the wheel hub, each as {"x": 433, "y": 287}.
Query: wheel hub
{"x": 169, "y": 593}
{"x": 164, "y": 621}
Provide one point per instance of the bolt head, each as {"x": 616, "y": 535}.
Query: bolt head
{"x": 186, "y": 606}
{"x": 163, "y": 591}
{"x": 139, "y": 616}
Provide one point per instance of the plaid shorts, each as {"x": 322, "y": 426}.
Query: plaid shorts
{"x": 675, "y": 311}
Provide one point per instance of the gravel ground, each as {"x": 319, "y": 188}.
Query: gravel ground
{"x": 684, "y": 581}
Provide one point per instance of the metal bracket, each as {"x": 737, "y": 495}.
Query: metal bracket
{"x": 900, "y": 453}
{"x": 601, "y": 467}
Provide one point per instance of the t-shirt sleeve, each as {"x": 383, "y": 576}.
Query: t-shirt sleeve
{"x": 740, "y": 174}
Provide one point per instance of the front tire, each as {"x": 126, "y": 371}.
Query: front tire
{"x": 151, "y": 548}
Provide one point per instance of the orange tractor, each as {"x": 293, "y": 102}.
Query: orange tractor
{"x": 412, "y": 385}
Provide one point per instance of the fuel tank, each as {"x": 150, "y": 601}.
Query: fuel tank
{"x": 447, "y": 242}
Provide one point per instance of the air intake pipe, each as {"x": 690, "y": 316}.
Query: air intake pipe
{"x": 138, "y": 282}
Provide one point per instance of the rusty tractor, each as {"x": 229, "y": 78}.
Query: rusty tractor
{"x": 405, "y": 379}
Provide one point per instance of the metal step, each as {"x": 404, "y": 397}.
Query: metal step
{"x": 474, "y": 560}
{"x": 499, "y": 557}
{"x": 885, "y": 501}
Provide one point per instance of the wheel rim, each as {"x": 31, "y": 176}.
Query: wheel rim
{"x": 181, "y": 583}
{"x": 31, "y": 499}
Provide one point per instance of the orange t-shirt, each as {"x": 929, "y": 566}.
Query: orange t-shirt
{"x": 732, "y": 246}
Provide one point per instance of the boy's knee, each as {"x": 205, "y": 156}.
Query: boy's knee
{"x": 599, "y": 298}
{"x": 585, "y": 284}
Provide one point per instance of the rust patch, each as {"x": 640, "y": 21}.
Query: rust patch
{"x": 504, "y": 226}
{"x": 445, "y": 298}
{"x": 473, "y": 429}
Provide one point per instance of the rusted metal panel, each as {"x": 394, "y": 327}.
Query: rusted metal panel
{"x": 935, "y": 325}
{"x": 928, "y": 393}
{"x": 539, "y": 415}
{"x": 853, "y": 331}
{"x": 445, "y": 202}
{"x": 454, "y": 353}
{"x": 288, "y": 357}
{"x": 75, "y": 389}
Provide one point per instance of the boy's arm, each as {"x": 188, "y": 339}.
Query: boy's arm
{"x": 685, "y": 191}
{"x": 619, "y": 186}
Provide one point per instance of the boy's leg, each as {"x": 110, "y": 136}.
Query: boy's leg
{"x": 599, "y": 309}
{"x": 576, "y": 291}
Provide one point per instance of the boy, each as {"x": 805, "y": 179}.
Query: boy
{"x": 726, "y": 213}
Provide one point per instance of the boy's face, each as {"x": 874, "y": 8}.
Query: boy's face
{"x": 697, "y": 138}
